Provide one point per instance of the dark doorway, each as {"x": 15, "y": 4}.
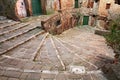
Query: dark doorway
{"x": 36, "y": 7}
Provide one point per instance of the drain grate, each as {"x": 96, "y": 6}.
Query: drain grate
{"x": 77, "y": 69}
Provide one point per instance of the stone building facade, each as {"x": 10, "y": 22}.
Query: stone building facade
{"x": 93, "y": 12}
{"x": 22, "y": 8}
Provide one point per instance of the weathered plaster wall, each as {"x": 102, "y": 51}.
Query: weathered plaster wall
{"x": 52, "y": 6}
{"x": 102, "y": 7}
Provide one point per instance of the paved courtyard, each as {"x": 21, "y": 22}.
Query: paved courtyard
{"x": 29, "y": 53}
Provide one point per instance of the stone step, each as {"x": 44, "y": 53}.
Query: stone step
{"x": 43, "y": 58}
{"x": 12, "y": 28}
{"x": 11, "y": 44}
{"x": 5, "y": 21}
{"x": 48, "y": 57}
{"x": 27, "y": 50}
{"x": 75, "y": 60}
{"x": 16, "y": 33}
{"x": 65, "y": 54}
{"x": 48, "y": 75}
{"x": 8, "y": 24}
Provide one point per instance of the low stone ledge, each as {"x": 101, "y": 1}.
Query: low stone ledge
{"x": 102, "y": 32}
{"x": 59, "y": 22}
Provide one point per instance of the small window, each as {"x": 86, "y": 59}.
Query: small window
{"x": 91, "y": 4}
{"x": 108, "y": 5}
{"x": 58, "y": 22}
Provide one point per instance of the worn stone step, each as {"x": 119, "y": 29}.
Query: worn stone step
{"x": 65, "y": 54}
{"x": 11, "y": 44}
{"x": 8, "y": 24}
{"x": 48, "y": 57}
{"x": 71, "y": 48}
{"x": 43, "y": 58}
{"x": 12, "y": 28}
{"x": 76, "y": 60}
{"x": 26, "y": 51}
{"x": 5, "y": 21}
{"x": 47, "y": 74}
{"x": 16, "y": 33}
{"x": 98, "y": 60}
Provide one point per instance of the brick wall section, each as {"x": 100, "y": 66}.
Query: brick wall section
{"x": 60, "y": 22}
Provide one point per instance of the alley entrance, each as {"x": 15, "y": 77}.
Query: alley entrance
{"x": 36, "y": 7}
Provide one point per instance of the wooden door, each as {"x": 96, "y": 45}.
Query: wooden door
{"x": 76, "y": 3}
{"x": 85, "y": 20}
{"x": 36, "y": 7}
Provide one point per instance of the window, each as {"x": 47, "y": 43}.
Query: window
{"x": 108, "y": 5}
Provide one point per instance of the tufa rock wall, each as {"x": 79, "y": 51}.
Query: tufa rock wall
{"x": 7, "y": 8}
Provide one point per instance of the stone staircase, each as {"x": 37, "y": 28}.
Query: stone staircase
{"x": 29, "y": 53}
{"x": 13, "y": 34}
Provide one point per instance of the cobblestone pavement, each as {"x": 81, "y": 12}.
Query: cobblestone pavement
{"x": 29, "y": 53}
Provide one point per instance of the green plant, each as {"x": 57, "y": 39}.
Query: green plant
{"x": 113, "y": 39}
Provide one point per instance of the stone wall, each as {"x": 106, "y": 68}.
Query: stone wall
{"x": 67, "y": 4}
{"x": 61, "y": 21}
{"x": 8, "y": 8}
{"x": 55, "y": 5}
{"x": 51, "y": 6}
